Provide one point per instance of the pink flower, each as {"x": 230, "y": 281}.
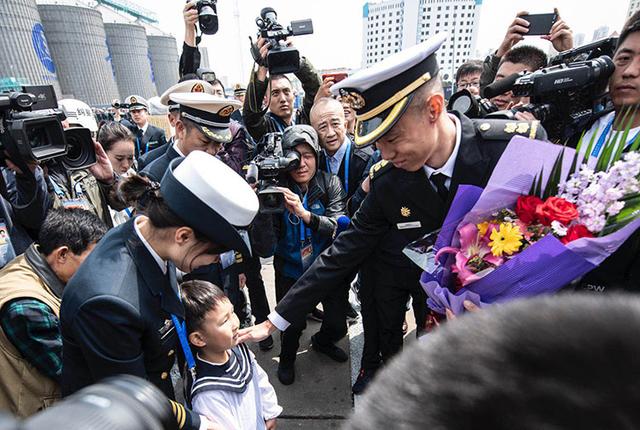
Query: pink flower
{"x": 473, "y": 249}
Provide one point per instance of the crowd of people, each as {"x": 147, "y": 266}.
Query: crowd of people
{"x": 148, "y": 262}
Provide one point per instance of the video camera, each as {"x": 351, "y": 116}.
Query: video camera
{"x": 28, "y": 134}
{"x": 266, "y": 169}
{"x": 124, "y": 402}
{"x": 117, "y": 105}
{"x": 281, "y": 58}
{"x": 564, "y": 96}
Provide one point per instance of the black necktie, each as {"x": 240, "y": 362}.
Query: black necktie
{"x": 439, "y": 179}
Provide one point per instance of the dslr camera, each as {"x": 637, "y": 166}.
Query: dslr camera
{"x": 281, "y": 58}
{"x": 564, "y": 96}
{"x": 207, "y": 16}
{"x": 266, "y": 170}
{"x": 31, "y": 130}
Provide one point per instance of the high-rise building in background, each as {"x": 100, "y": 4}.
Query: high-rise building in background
{"x": 578, "y": 39}
{"x": 393, "y": 25}
{"x": 634, "y": 5}
{"x": 600, "y": 33}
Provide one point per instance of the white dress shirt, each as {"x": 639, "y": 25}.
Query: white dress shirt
{"x": 447, "y": 168}
{"x": 336, "y": 159}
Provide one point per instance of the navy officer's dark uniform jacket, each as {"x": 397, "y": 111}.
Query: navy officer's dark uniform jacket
{"x": 401, "y": 207}
{"x": 156, "y": 169}
{"x": 116, "y": 318}
{"x": 152, "y": 138}
{"x": 154, "y": 154}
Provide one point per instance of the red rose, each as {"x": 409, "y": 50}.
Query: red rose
{"x": 556, "y": 209}
{"x": 576, "y": 232}
{"x": 526, "y": 208}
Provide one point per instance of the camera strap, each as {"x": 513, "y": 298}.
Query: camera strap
{"x": 603, "y": 138}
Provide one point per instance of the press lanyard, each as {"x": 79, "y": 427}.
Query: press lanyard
{"x": 347, "y": 157}
{"x": 146, "y": 148}
{"x": 181, "y": 329}
{"x": 305, "y": 232}
{"x": 603, "y": 137}
{"x": 57, "y": 189}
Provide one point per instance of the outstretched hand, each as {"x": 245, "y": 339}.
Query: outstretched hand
{"x": 256, "y": 333}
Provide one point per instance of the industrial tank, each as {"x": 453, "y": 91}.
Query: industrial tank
{"x": 163, "y": 53}
{"x": 129, "y": 51}
{"x": 78, "y": 46}
{"x": 25, "y": 58}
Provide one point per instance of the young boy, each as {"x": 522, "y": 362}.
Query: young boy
{"x": 230, "y": 387}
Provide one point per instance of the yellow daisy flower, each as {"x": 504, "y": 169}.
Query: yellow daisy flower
{"x": 482, "y": 228}
{"x": 506, "y": 239}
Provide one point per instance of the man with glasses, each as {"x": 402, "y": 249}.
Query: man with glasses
{"x": 468, "y": 77}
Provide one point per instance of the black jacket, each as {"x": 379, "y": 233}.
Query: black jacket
{"x": 401, "y": 207}
{"x": 156, "y": 169}
{"x": 152, "y": 138}
{"x": 116, "y": 316}
{"x": 146, "y": 159}
{"x": 358, "y": 159}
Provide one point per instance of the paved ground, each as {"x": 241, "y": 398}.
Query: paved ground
{"x": 321, "y": 396}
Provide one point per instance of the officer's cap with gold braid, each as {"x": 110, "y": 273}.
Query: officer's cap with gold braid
{"x": 210, "y": 114}
{"x": 189, "y": 86}
{"x": 381, "y": 93}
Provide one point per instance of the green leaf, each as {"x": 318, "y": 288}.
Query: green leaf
{"x": 587, "y": 154}
{"x": 613, "y": 143}
{"x": 538, "y": 189}
{"x": 635, "y": 144}
{"x": 630, "y": 212}
{"x": 554, "y": 177}
{"x": 574, "y": 163}
{"x": 623, "y": 140}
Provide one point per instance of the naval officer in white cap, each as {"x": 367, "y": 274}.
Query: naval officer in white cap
{"x": 203, "y": 125}
{"x": 121, "y": 313}
{"x": 426, "y": 153}
{"x": 148, "y": 136}
{"x": 186, "y": 86}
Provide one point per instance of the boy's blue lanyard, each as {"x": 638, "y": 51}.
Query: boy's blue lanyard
{"x": 305, "y": 232}
{"x": 146, "y": 148}
{"x": 347, "y": 156}
{"x": 603, "y": 137}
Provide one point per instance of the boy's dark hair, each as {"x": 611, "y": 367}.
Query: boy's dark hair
{"x": 468, "y": 68}
{"x": 555, "y": 362}
{"x": 631, "y": 26}
{"x": 531, "y": 56}
{"x": 75, "y": 228}
{"x": 198, "y": 298}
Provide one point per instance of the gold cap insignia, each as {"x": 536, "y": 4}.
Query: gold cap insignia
{"x": 133, "y": 100}
{"x": 197, "y": 88}
{"x": 485, "y": 126}
{"x": 354, "y": 98}
{"x": 226, "y": 111}
{"x": 405, "y": 211}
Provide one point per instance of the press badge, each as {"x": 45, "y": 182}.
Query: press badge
{"x": 306, "y": 253}
{"x": 75, "y": 204}
{"x": 409, "y": 225}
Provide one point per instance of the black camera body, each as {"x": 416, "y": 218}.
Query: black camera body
{"x": 123, "y": 402}
{"x": 470, "y": 105}
{"x": 28, "y": 134}
{"x": 207, "y": 16}
{"x": 281, "y": 58}
{"x": 266, "y": 170}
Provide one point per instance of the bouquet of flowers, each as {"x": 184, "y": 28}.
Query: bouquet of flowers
{"x": 528, "y": 233}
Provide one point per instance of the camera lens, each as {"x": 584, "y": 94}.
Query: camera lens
{"x": 80, "y": 149}
{"x": 37, "y": 136}
{"x": 208, "y": 20}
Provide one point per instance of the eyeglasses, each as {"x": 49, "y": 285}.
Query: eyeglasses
{"x": 465, "y": 85}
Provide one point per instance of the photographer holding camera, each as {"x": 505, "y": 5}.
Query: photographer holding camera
{"x": 314, "y": 200}
{"x": 280, "y": 112}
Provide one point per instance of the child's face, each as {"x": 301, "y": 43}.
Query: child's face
{"x": 219, "y": 329}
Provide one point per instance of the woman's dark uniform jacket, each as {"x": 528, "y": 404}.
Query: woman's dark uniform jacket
{"x": 116, "y": 318}
{"x": 397, "y": 198}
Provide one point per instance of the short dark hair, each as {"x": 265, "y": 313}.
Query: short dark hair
{"x": 112, "y": 132}
{"x": 198, "y": 298}
{"x": 468, "y": 68}
{"x": 631, "y": 26}
{"x": 278, "y": 77}
{"x": 529, "y": 55}
{"x": 567, "y": 361}
{"x": 75, "y": 228}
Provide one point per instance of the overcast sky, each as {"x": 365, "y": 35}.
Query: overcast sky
{"x": 337, "y": 41}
